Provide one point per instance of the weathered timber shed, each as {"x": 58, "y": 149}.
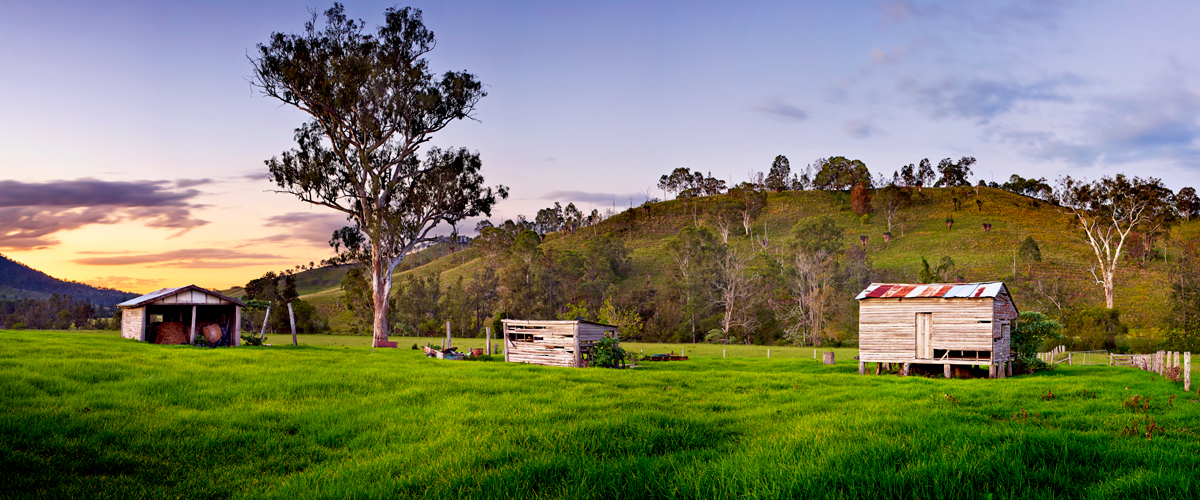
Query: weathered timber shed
{"x": 552, "y": 343}
{"x": 192, "y": 306}
{"x": 936, "y": 324}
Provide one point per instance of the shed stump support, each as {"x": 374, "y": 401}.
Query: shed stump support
{"x": 1008, "y": 367}
{"x": 828, "y": 358}
{"x": 904, "y": 370}
{"x": 862, "y": 367}
{"x": 878, "y": 368}
{"x": 946, "y": 370}
{"x": 992, "y": 370}
{"x": 192, "y": 330}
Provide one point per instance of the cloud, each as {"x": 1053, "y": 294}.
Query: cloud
{"x": 783, "y": 111}
{"x": 187, "y": 183}
{"x": 306, "y": 228}
{"x": 861, "y": 129}
{"x": 30, "y": 213}
{"x": 192, "y": 258}
{"x": 979, "y": 17}
{"x": 984, "y": 99}
{"x": 589, "y": 197}
{"x": 1162, "y": 123}
{"x": 124, "y": 282}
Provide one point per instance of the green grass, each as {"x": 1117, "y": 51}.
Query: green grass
{"x": 102, "y": 417}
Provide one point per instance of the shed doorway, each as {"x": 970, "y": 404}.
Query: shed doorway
{"x": 924, "y": 335}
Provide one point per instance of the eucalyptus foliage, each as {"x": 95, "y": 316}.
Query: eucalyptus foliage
{"x": 372, "y": 102}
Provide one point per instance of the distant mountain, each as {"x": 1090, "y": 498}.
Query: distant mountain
{"x": 19, "y": 281}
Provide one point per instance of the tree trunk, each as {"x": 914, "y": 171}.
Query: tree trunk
{"x": 381, "y": 286}
{"x": 1108, "y": 289}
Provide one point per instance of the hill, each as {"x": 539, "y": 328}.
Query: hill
{"x": 1061, "y": 279}
{"x": 19, "y": 281}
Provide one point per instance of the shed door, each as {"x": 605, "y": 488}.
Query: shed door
{"x": 924, "y": 335}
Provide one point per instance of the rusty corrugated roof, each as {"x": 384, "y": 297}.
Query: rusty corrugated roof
{"x": 988, "y": 289}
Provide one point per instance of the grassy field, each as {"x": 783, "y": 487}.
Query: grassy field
{"x": 93, "y": 415}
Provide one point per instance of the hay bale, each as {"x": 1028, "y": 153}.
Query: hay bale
{"x": 172, "y": 333}
{"x": 212, "y": 333}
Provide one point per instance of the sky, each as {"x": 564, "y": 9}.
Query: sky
{"x": 132, "y": 144}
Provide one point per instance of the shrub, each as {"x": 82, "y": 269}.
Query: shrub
{"x": 607, "y": 353}
{"x": 246, "y": 340}
{"x": 1029, "y": 333}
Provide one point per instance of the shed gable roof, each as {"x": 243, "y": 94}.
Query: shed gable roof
{"x": 168, "y": 292}
{"x": 990, "y": 289}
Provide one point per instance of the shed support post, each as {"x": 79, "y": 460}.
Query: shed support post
{"x": 946, "y": 370}
{"x": 488, "y": 329}
{"x": 904, "y": 370}
{"x": 505, "y": 327}
{"x": 1008, "y": 368}
{"x": 862, "y": 367}
{"x": 578, "y": 354}
{"x": 292, "y": 320}
{"x": 992, "y": 370}
{"x": 192, "y": 331}
{"x": 878, "y": 368}
{"x": 237, "y": 326}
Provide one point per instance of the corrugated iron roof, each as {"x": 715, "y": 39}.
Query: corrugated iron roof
{"x": 988, "y": 289}
{"x": 166, "y": 292}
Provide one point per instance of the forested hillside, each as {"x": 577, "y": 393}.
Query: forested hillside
{"x": 771, "y": 267}
{"x": 18, "y": 281}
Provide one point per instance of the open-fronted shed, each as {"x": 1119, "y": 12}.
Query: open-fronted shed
{"x": 165, "y": 315}
{"x": 552, "y": 343}
{"x": 939, "y": 323}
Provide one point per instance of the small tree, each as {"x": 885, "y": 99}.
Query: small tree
{"x": 891, "y": 200}
{"x": 860, "y": 200}
{"x": 1031, "y": 330}
{"x": 954, "y": 174}
{"x": 925, "y": 175}
{"x": 778, "y": 178}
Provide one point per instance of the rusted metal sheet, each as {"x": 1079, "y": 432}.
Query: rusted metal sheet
{"x": 932, "y": 290}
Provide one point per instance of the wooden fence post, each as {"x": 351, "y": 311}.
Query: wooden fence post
{"x": 828, "y": 358}
{"x": 488, "y": 329}
{"x": 1070, "y": 359}
{"x": 265, "y": 318}
{"x": 768, "y": 353}
{"x": 722, "y": 353}
{"x": 1187, "y": 372}
{"x": 292, "y": 320}
{"x": 448, "y": 335}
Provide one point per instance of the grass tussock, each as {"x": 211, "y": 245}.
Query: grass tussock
{"x": 98, "y": 416}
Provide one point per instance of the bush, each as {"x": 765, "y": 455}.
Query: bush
{"x": 1029, "y": 333}
{"x": 246, "y": 340}
{"x": 607, "y": 353}
{"x": 1095, "y": 328}
{"x": 715, "y": 336}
